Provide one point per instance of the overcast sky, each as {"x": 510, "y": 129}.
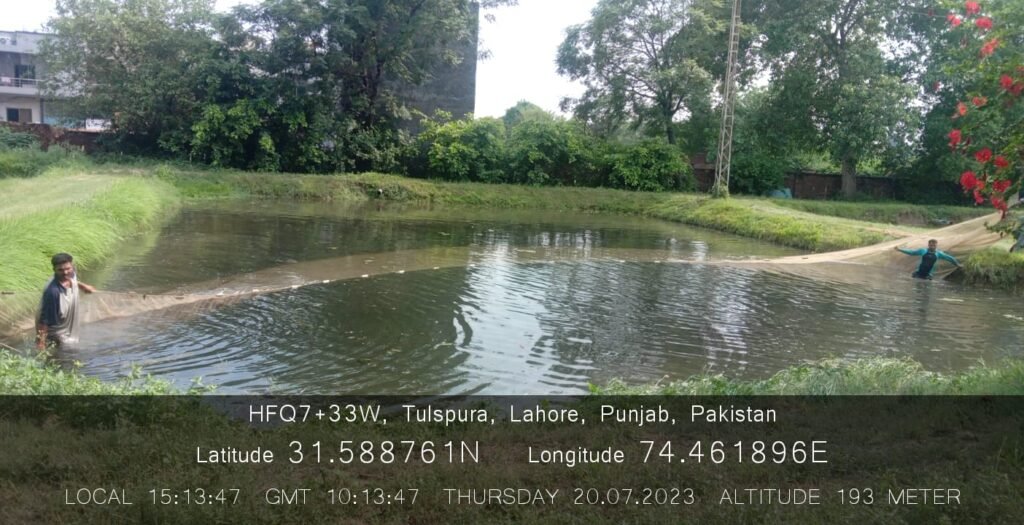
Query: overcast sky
{"x": 523, "y": 41}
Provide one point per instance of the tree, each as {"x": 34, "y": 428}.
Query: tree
{"x": 644, "y": 61}
{"x": 141, "y": 62}
{"x": 465, "y": 150}
{"x": 986, "y": 127}
{"x": 760, "y": 156}
{"x": 524, "y": 111}
{"x": 299, "y": 85}
{"x": 837, "y": 86}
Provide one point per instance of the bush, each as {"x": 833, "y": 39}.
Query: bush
{"x": 465, "y": 150}
{"x": 29, "y": 162}
{"x": 10, "y": 139}
{"x": 756, "y": 172}
{"x": 651, "y": 165}
{"x": 547, "y": 152}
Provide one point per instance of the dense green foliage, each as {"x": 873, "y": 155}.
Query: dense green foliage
{"x": 644, "y": 62}
{"x": 322, "y": 87}
{"x": 10, "y": 139}
{"x": 282, "y": 85}
{"x": 22, "y": 376}
{"x": 530, "y": 146}
{"x": 465, "y": 150}
{"x": 650, "y": 165}
{"x": 833, "y": 85}
{"x": 21, "y": 156}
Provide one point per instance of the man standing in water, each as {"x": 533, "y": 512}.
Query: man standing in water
{"x": 59, "y": 307}
{"x": 929, "y": 257}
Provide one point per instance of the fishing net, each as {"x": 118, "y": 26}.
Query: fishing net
{"x": 958, "y": 240}
{"x": 859, "y": 265}
{"x": 16, "y": 309}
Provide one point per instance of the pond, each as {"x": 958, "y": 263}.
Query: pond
{"x": 505, "y": 302}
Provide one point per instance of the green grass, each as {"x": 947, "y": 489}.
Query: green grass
{"x": 995, "y": 267}
{"x": 20, "y": 375}
{"x": 86, "y": 220}
{"x": 880, "y": 376}
{"x": 887, "y": 212}
{"x": 32, "y": 161}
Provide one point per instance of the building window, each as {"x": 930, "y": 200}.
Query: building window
{"x": 24, "y": 74}
{"x": 19, "y": 115}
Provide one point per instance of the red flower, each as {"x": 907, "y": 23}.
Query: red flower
{"x": 1005, "y": 81}
{"x": 954, "y": 20}
{"x": 983, "y": 155}
{"x": 989, "y": 47}
{"x": 961, "y": 109}
{"x": 1001, "y": 162}
{"x": 1001, "y": 186}
{"x": 972, "y": 8}
{"x": 1017, "y": 88}
{"x": 968, "y": 181}
{"x": 978, "y": 199}
{"x": 984, "y": 23}
{"x": 954, "y": 138}
{"x": 979, "y": 101}
{"x": 999, "y": 204}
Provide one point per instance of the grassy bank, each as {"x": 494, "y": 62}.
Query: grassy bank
{"x": 750, "y": 217}
{"x": 837, "y": 377}
{"x": 888, "y": 212}
{"x": 85, "y": 215}
{"x": 995, "y": 267}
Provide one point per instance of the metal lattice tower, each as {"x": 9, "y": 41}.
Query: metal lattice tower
{"x": 724, "y": 161}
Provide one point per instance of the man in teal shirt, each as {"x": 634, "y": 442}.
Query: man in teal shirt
{"x": 929, "y": 257}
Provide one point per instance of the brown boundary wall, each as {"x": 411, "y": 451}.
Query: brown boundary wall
{"x": 806, "y": 184}
{"x": 50, "y": 135}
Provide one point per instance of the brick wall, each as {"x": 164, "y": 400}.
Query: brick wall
{"x": 49, "y": 135}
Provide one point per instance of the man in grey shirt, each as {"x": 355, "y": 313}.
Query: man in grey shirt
{"x": 59, "y": 307}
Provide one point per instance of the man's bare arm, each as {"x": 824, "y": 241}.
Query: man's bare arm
{"x": 41, "y": 331}
{"x": 86, "y": 288}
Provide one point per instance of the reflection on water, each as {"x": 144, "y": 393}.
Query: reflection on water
{"x": 542, "y": 304}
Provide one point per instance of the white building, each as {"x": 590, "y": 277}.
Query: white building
{"x": 20, "y": 77}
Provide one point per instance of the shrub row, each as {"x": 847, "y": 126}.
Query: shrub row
{"x": 544, "y": 151}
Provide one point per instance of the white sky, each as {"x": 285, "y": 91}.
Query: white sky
{"x": 523, "y": 41}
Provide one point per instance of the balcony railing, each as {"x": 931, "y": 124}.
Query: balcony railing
{"x": 20, "y": 82}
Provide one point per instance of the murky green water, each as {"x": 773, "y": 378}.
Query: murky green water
{"x": 519, "y": 302}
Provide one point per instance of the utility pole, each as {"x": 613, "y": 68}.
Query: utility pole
{"x": 722, "y": 165}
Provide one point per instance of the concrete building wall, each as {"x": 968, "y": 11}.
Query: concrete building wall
{"x": 450, "y": 88}
{"x": 10, "y": 61}
{"x": 33, "y": 104}
{"x": 20, "y": 88}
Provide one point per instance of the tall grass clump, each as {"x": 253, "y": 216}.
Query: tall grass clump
{"x": 21, "y": 155}
{"x": 87, "y": 229}
{"x": 870, "y": 376}
{"x": 995, "y": 267}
